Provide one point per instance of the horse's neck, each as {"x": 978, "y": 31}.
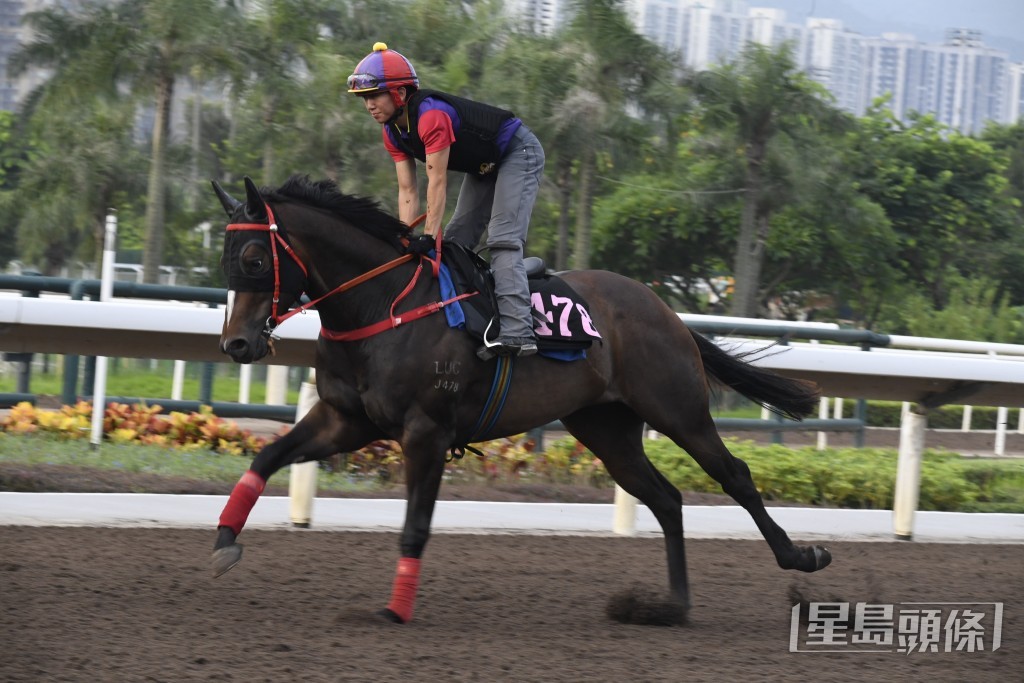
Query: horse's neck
{"x": 340, "y": 256}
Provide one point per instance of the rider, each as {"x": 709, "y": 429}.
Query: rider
{"x": 502, "y": 161}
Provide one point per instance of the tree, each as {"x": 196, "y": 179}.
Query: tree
{"x": 672, "y": 226}
{"x": 975, "y": 311}
{"x": 76, "y": 166}
{"x": 142, "y": 47}
{"x": 531, "y": 75}
{"x": 1009, "y": 140}
{"x": 614, "y": 65}
{"x": 757, "y": 101}
{"x": 945, "y": 195}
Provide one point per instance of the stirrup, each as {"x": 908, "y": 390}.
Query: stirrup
{"x": 488, "y": 350}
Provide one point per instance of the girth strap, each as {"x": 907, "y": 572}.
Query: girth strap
{"x": 496, "y": 400}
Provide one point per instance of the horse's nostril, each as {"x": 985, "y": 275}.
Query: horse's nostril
{"x": 236, "y": 347}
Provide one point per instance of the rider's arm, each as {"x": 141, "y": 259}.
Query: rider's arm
{"x": 437, "y": 189}
{"x": 408, "y": 193}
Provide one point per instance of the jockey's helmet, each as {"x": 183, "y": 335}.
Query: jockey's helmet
{"x": 383, "y": 70}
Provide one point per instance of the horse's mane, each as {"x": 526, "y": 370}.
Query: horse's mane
{"x": 362, "y": 212}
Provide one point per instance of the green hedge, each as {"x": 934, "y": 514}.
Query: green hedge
{"x": 887, "y": 414}
{"x": 855, "y": 477}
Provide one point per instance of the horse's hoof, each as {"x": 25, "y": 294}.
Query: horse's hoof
{"x": 812, "y": 559}
{"x": 390, "y": 616}
{"x": 822, "y": 557}
{"x": 225, "y": 558}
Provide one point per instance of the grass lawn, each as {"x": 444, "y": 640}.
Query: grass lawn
{"x": 152, "y": 379}
{"x": 200, "y": 464}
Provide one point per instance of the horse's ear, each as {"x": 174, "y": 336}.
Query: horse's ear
{"x": 229, "y": 203}
{"x": 254, "y": 206}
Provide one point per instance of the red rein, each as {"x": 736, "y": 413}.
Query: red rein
{"x": 393, "y": 320}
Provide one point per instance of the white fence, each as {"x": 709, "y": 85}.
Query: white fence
{"x": 961, "y": 372}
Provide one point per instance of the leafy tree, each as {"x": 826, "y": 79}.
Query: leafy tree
{"x": 142, "y": 47}
{"x": 613, "y": 67}
{"x": 672, "y": 227}
{"x": 1009, "y": 140}
{"x": 758, "y": 101}
{"x": 531, "y": 75}
{"x": 74, "y": 167}
{"x": 945, "y": 196}
{"x": 10, "y": 152}
{"x": 975, "y": 311}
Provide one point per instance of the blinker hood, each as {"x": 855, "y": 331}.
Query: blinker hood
{"x": 292, "y": 278}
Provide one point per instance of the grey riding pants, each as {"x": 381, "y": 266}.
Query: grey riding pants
{"x": 501, "y": 204}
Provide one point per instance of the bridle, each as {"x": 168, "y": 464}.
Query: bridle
{"x": 393, "y": 320}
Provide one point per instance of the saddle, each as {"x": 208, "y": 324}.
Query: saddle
{"x": 561, "y": 316}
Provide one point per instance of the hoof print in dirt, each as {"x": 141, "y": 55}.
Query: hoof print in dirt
{"x": 646, "y": 607}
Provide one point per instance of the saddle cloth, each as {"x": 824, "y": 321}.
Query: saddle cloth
{"x": 561, "y": 316}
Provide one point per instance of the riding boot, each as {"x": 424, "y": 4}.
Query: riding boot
{"x": 513, "y": 293}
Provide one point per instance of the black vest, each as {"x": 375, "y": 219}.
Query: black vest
{"x": 475, "y": 149}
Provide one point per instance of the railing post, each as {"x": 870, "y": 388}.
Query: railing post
{"x": 99, "y": 387}
{"x": 908, "y": 471}
{"x": 624, "y": 521}
{"x": 302, "y": 476}
{"x": 537, "y": 436}
{"x": 860, "y": 412}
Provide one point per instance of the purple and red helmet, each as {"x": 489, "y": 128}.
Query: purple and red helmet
{"x": 382, "y": 70}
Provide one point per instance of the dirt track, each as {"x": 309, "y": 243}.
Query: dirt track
{"x": 139, "y": 605}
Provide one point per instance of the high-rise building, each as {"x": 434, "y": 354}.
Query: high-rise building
{"x": 767, "y": 26}
{"x": 970, "y": 82}
{"x": 895, "y": 66}
{"x": 962, "y": 82}
{"x": 1015, "y": 93}
{"x": 665, "y": 22}
{"x": 835, "y": 58}
{"x": 540, "y": 16}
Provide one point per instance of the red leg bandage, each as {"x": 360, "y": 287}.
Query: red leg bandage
{"x": 243, "y": 497}
{"x": 403, "y": 592}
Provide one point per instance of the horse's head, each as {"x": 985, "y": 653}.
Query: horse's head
{"x": 264, "y": 275}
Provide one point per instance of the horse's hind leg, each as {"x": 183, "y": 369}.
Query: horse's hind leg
{"x": 701, "y": 440}
{"x": 322, "y": 433}
{"x": 615, "y": 434}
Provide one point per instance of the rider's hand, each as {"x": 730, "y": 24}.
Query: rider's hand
{"x": 421, "y": 244}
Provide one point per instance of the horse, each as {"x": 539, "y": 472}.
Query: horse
{"x": 378, "y": 369}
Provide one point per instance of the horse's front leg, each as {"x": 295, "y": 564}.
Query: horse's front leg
{"x": 424, "y": 467}
{"x": 320, "y": 434}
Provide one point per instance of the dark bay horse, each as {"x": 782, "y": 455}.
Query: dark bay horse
{"x": 345, "y": 254}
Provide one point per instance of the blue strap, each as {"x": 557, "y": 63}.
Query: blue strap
{"x": 496, "y": 400}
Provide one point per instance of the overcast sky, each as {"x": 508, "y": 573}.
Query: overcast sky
{"x": 1000, "y": 21}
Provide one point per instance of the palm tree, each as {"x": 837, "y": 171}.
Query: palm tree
{"x": 141, "y": 47}
{"x": 614, "y": 66}
{"x": 756, "y": 100}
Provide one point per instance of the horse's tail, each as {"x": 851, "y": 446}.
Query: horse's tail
{"x": 792, "y": 398}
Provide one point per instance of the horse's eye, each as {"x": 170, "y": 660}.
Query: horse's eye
{"x": 254, "y": 259}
